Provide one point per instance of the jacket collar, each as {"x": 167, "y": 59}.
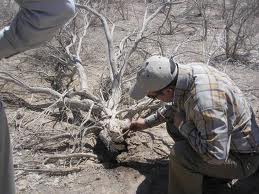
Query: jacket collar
{"x": 184, "y": 83}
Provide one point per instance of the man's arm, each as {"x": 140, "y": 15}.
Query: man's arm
{"x": 208, "y": 134}
{"x": 162, "y": 115}
{"x": 36, "y": 22}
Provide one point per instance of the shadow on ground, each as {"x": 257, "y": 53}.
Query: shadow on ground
{"x": 156, "y": 180}
{"x": 156, "y": 176}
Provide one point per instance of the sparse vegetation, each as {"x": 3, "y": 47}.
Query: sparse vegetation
{"x": 73, "y": 92}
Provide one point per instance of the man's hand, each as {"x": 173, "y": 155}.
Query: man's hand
{"x": 134, "y": 125}
{"x": 137, "y": 125}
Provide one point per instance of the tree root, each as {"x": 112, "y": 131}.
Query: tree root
{"x": 75, "y": 155}
{"x": 52, "y": 172}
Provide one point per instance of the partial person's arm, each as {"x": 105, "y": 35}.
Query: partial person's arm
{"x": 162, "y": 115}
{"x": 207, "y": 133}
{"x": 36, "y": 22}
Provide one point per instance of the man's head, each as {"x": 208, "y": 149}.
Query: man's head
{"x": 156, "y": 79}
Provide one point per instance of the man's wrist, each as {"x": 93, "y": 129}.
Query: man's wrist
{"x": 148, "y": 122}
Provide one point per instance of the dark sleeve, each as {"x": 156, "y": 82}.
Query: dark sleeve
{"x": 36, "y": 22}
{"x": 160, "y": 116}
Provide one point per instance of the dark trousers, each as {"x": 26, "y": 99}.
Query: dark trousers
{"x": 7, "y": 185}
{"x": 187, "y": 169}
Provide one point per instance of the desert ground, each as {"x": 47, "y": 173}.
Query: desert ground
{"x": 37, "y": 134}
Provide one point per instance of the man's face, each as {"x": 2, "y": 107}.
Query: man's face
{"x": 165, "y": 95}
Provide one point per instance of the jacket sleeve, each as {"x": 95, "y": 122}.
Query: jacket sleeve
{"x": 36, "y": 22}
{"x": 162, "y": 115}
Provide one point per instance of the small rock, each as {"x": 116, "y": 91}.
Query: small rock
{"x": 22, "y": 185}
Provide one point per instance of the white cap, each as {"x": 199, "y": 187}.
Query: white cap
{"x": 155, "y": 74}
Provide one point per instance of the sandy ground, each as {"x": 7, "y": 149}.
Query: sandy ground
{"x": 143, "y": 169}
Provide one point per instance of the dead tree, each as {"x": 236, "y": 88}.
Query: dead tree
{"x": 238, "y": 17}
{"x": 105, "y": 117}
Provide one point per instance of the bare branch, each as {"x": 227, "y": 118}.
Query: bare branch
{"x": 76, "y": 60}
{"x": 108, "y": 35}
{"x": 83, "y": 105}
{"x": 82, "y": 75}
{"x": 138, "y": 108}
{"x": 17, "y": 101}
{"x": 72, "y": 103}
{"x": 85, "y": 94}
{"x": 87, "y": 117}
{"x": 86, "y": 25}
{"x": 93, "y": 129}
{"x": 75, "y": 155}
{"x": 56, "y": 171}
{"x": 139, "y": 37}
{"x": 14, "y": 80}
